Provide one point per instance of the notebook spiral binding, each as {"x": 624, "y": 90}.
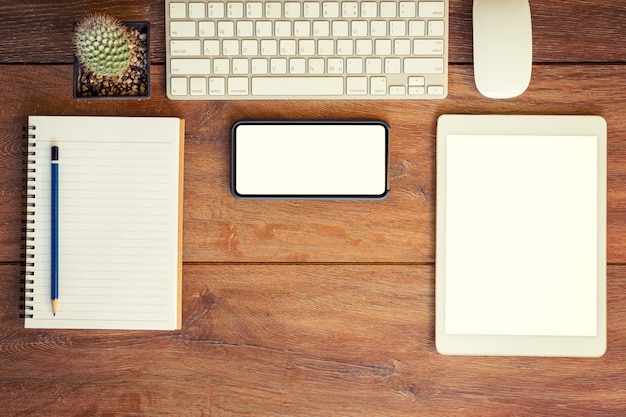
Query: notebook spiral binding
{"x": 28, "y": 223}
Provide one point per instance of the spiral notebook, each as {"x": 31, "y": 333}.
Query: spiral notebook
{"x": 119, "y": 222}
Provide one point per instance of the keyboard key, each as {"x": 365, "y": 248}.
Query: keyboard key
{"x": 345, "y": 47}
{"x": 374, "y": 66}
{"x": 196, "y": 10}
{"x": 364, "y": 47}
{"x": 198, "y": 66}
{"x": 393, "y": 66}
{"x": 211, "y": 47}
{"x": 302, "y": 28}
{"x": 178, "y": 10}
{"x": 240, "y": 66}
{"x": 178, "y": 86}
{"x": 417, "y": 28}
{"x": 287, "y": 47}
{"x": 397, "y": 28}
{"x": 226, "y": 29}
{"x": 316, "y": 66}
{"x": 306, "y": 47}
{"x": 259, "y": 66}
{"x": 238, "y": 86}
{"x": 217, "y": 86}
{"x": 245, "y": 29}
{"x": 335, "y": 66}
{"x": 436, "y": 28}
{"x": 349, "y": 9}
{"x": 354, "y": 66}
{"x": 249, "y": 47}
{"x": 254, "y": 10}
{"x": 428, "y": 47}
{"x": 369, "y": 9}
{"x": 273, "y": 10}
{"x": 264, "y": 29}
{"x": 197, "y": 86}
{"x": 359, "y": 28}
{"x": 388, "y": 9}
{"x": 325, "y": 47}
{"x": 431, "y": 9}
{"x": 407, "y": 9}
{"x": 233, "y": 49}
{"x": 423, "y": 65}
{"x": 356, "y": 86}
{"x": 282, "y": 29}
{"x": 297, "y": 86}
{"x": 185, "y": 48}
{"x": 206, "y": 29}
{"x": 215, "y": 10}
{"x": 292, "y": 10}
{"x": 182, "y": 29}
{"x": 321, "y": 28}
{"x": 269, "y": 47}
{"x": 311, "y": 10}
{"x": 378, "y": 28}
{"x": 234, "y": 10}
{"x": 415, "y": 81}
{"x": 330, "y": 9}
{"x": 378, "y": 86}
{"x": 341, "y": 28}
{"x": 278, "y": 66}
{"x": 435, "y": 90}
{"x": 397, "y": 90}
{"x": 221, "y": 66}
{"x": 297, "y": 66}
{"x": 383, "y": 47}
{"x": 402, "y": 47}
{"x": 230, "y": 47}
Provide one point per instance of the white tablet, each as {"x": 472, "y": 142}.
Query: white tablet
{"x": 521, "y": 235}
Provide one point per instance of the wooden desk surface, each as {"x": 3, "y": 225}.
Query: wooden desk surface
{"x": 305, "y": 308}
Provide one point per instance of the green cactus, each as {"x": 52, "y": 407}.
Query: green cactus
{"x": 102, "y": 45}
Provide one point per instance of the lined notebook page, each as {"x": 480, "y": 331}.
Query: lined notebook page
{"x": 119, "y": 222}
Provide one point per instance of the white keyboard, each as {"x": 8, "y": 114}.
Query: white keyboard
{"x": 242, "y": 50}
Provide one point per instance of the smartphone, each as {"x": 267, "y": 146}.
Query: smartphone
{"x": 309, "y": 159}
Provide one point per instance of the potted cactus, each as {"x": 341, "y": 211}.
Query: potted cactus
{"x": 111, "y": 58}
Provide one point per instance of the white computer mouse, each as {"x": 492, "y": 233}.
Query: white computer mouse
{"x": 503, "y": 47}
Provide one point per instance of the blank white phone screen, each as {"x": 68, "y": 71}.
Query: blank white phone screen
{"x": 292, "y": 159}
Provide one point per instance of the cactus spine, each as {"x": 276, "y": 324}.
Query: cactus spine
{"x": 102, "y": 45}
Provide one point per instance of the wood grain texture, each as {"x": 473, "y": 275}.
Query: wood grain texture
{"x": 35, "y": 31}
{"x": 298, "y": 340}
{"x": 305, "y": 308}
{"x": 219, "y": 228}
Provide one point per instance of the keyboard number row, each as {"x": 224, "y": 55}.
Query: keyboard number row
{"x": 308, "y": 9}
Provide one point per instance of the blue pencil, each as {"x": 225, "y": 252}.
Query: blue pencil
{"x": 54, "y": 263}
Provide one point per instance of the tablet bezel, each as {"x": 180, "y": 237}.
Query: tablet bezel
{"x": 520, "y": 345}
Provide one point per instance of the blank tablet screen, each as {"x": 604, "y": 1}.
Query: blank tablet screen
{"x": 522, "y": 223}
{"x": 309, "y": 160}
